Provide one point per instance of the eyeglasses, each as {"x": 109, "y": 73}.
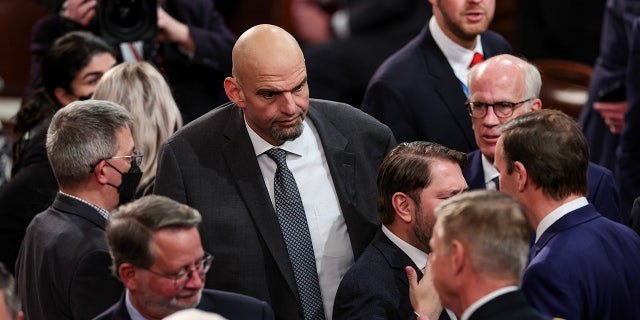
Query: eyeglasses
{"x": 502, "y": 109}
{"x": 136, "y": 160}
{"x": 181, "y": 278}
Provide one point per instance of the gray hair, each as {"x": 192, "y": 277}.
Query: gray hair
{"x": 131, "y": 228}
{"x": 493, "y": 225}
{"x": 80, "y": 135}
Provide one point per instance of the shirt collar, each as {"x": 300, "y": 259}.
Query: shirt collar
{"x": 558, "y": 213}
{"x": 104, "y": 213}
{"x": 489, "y": 170}
{"x": 134, "y": 314}
{"x": 458, "y": 56}
{"x": 416, "y": 255}
{"x": 476, "y": 305}
{"x": 261, "y": 146}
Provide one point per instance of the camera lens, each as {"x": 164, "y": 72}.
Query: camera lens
{"x": 127, "y": 20}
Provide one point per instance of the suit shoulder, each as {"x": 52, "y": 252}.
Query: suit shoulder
{"x": 496, "y": 41}
{"x": 210, "y": 123}
{"x": 345, "y": 116}
{"x": 234, "y": 305}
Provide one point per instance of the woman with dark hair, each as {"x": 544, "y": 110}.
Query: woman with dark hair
{"x": 71, "y": 69}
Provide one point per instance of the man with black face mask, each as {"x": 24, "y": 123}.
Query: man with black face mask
{"x": 63, "y": 264}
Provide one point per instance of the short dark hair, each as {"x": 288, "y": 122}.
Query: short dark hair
{"x": 8, "y": 288}
{"x": 131, "y": 228}
{"x": 406, "y": 169}
{"x": 552, "y": 148}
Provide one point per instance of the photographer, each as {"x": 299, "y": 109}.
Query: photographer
{"x": 192, "y": 45}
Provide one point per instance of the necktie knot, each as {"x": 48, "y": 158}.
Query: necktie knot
{"x": 477, "y": 58}
{"x": 278, "y": 155}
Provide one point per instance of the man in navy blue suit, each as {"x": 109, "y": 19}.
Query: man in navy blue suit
{"x": 413, "y": 179}
{"x": 510, "y": 86}
{"x": 582, "y": 265}
{"x": 156, "y": 250}
{"x": 419, "y": 91}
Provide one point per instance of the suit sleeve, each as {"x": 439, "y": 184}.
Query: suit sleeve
{"x": 387, "y": 105}
{"x": 93, "y": 287}
{"x": 551, "y": 293}
{"x": 169, "y": 180}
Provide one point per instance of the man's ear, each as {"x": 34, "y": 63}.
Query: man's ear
{"x": 63, "y": 96}
{"x": 536, "y": 104}
{"x": 127, "y": 273}
{"x": 403, "y": 206}
{"x": 522, "y": 176}
{"x": 98, "y": 172}
{"x": 234, "y": 91}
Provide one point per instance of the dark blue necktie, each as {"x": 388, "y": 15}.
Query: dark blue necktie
{"x": 496, "y": 181}
{"x": 295, "y": 231}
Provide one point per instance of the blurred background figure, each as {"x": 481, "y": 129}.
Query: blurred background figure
{"x": 10, "y": 307}
{"x": 71, "y": 69}
{"x": 344, "y": 42}
{"x": 141, "y": 89}
{"x": 192, "y": 44}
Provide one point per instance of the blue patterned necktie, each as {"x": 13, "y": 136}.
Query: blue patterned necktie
{"x": 295, "y": 231}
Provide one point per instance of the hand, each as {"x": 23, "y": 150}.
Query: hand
{"x": 79, "y": 11}
{"x": 312, "y": 24}
{"x": 423, "y": 295}
{"x": 170, "y": 29}
{"x": 613, "y": 114}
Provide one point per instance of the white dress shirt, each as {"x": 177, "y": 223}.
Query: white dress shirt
{"x": 307, "y": 162}
{"x": 490, "y": 172}
{"x": 558, "y": 213}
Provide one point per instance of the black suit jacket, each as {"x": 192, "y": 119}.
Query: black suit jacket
{"x": 376, "y": 286}
{"x": 232, "y": 306}
{"x": 63, "y": 265}
{"x": 30, "y": 191}
{"x": 416, "y": 93}
{"x": 210, "y": 165}
{"x": 509, "y": 306}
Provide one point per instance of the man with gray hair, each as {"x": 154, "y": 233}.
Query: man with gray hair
{"x": 9, "y": 300}
{"x": 479, "y": 246}
{"x": 500, "y": 89}
{"x": 63, "y": 264}
{"x": 157, "y": 253}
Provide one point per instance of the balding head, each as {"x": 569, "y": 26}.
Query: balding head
{"x": 503, "y": 78}
{"x": 264, "y": 47}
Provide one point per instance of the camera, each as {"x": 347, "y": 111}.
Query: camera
{"x": 127, "y": 20}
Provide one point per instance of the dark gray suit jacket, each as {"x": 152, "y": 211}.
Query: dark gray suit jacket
{"x": 211, "y": 165}
{"x": 63, "y": 265}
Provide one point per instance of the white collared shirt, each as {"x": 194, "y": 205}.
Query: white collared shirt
{"x": 331, "y": 243}
{"x": 490, "y": 172}
{"x": 416, "y": 255}
{"x": 480, "y": 302}
{"x": 558, "y": 213}
{"x": 458, "y": 57}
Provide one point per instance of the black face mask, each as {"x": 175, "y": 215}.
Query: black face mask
{"x": 130, "y": 180}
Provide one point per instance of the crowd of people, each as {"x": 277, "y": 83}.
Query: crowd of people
{"x": 196, "y": 175}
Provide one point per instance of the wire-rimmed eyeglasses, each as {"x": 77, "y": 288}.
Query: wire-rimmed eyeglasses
{"x": 502, "y": 109}
{"x": 136, "y": 159}
{"x": 181, "y": 278}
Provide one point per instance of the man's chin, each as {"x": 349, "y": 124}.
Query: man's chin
{"x": 190, "y": 300}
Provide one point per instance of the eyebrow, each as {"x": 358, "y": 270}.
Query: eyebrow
{"x": 262, "y": 91}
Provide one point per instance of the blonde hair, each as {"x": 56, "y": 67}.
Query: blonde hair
{"x": 142, "y": 90}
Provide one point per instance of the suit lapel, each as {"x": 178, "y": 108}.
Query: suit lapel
{"x": 241, "y": 161}
{"x": 449, "y": 87}
{"x": 396, "y": 258}
{"x": 569, "y": 220}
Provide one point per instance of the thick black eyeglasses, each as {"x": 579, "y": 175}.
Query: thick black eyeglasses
{"x": 502, "y": 109}
{"x": 181, "y": 278}
{"x": 136, "y": 160}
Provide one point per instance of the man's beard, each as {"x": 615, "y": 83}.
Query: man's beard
{"x": 287, "y": 133}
